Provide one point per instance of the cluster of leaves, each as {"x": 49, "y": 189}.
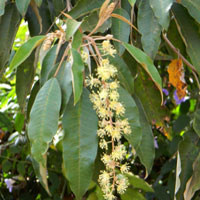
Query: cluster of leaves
{"x": 48, "y": 128}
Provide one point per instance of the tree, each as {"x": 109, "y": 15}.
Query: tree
{"x": 99, "y": 99}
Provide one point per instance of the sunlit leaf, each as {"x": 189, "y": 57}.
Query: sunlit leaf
{"x": 25, "y": 50}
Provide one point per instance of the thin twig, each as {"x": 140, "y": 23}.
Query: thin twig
{"x": 62, "y": 59}
{"x": 177, "y": 51}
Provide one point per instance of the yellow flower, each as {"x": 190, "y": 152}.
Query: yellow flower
{"x": 104, "y": 178}
{"x": 122, "y": 184}
{"x": 114, "y": 85}
{"x": 124, "y": 168}
{"x": 120, "y": 110}
{"x": 116, "y": 135}
{"x": 103, "y": 144}
{"x": 119, "y": 153}
{"x": 108, "y": 48}
{"x": 114, "y": 96}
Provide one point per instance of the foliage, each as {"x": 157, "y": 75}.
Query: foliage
{"x": 136, "y": 62}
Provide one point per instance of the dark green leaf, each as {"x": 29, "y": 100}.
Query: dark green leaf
{"x": 80, "y": 143}
{"x": 72, "y": 27}
{"x": 149, "y": 28}
{"x": 196, "y": 122}
{"x": 24, "y": 80}
{"x": 22, "y": 6}
{"x": 48, "y": 64}
{"x": 188, "y": 152}
{"x": 65, "y": 80}
{"x": 161, "y": 10}
{"x": 46, "y": 14}
{"x": 44, "y": 122}
{"x": 59, "y": 6}
{"x": 21, "y": 168}
{"x": 6, "y": 166}
{"x": 44, "y": 119}
{"x": 139, "y": 183}
{"x": 118, "y": 30}
{"x": 132, "y": 115}
{"x": 146, "y": 150}
{"x": 146, "y": 62}
{"x": 77, "y": 40}
{"x": 131, "y": 194}
{"x": 5, "y": 122}
{"x": 83, "y": 7}
{"x": 194, "y": 182}
{"x": 193, "y": 8}
{"x": 9, "y": 24}
{"x": 2, "y": 7}
{"x": 77, "y": 75}
{"x": 124, "y": 75}
{"x": 33, "y": 94}
{"x": 90, "y": 22}
{"x": 25, "y": 50}
{"x": 19, "y": 122}
{"x": 150, "y": 99}
{"x": 189, "y": 30}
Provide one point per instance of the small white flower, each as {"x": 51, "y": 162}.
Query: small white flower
{"x": 9, "y": 183}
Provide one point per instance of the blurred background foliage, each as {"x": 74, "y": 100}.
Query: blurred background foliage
{"x": 172, "y": 151}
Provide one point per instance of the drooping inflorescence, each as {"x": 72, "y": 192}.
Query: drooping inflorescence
{"x": 112, "y": 125}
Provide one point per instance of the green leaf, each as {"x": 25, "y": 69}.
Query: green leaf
{"x": 5, "y": 122}
{"x": 64, "y": 78}
{"x": 59, "y": 6}
{"x": 132, "y": 115}
{"x": 118, "y": 30}
{"x": 124, "y": 75}
{"x": 132, "y": 2}
{"x": 77, "y": 75}
{"x": 77, "y": 40}
{"x": 146, "y": 62}
{"x": 161, "y": 10}
{"x": 38, "y": 2}
{"x": 188, "y": 151}
{"x": 24, "y": 80}
{"x": 44, "y": 119}
{"x": 9, "y": 24}
{"x": 139, "y": 183}
{"x": 131, "y": 194}
{"x": 146, "y": 150}
{"x": 22, "y": 6}
{"x": 189, "y": 30}
{"x": 25, "y": 50}
{"x": 149, "y": 28}
{"x": 21, "y": 168}
{"x": 150, "y": 98}
{"x": 196, "y": 122}
{"x": 80, "y": 144}
{"x": 6, "y": 166}
{"x": 41, "y": 173}
{"x": 48, "y": 64}
{"x": 90, "y": 22}
{"x": 194, "y": 182}
{"x": 83, "y": 7}
{"x": 19, "y": 122}
{"x": 193, "y": 8}
{"x": 31, "y": 100}
{"x": 2, "y": 7}
{"x": 72, "y": 27}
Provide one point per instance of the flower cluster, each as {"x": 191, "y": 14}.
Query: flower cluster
{"x": 112, "y": 126}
